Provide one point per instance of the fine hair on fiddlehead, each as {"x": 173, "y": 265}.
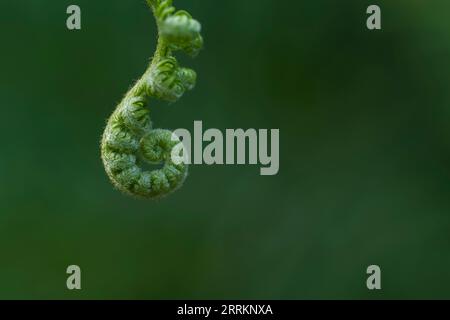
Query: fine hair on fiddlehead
{"x": 129, "y": 140}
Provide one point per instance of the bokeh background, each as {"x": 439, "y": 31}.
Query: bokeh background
{"x": 365, "y": 153}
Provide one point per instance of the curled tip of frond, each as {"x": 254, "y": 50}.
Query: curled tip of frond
{"x": 180, "y": 31}
{"x": 180, "y": 28}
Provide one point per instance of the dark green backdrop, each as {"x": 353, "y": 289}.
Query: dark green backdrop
{"x": 365, "y": 153}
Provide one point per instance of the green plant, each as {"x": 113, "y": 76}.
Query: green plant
{"x": 129, "y": 140}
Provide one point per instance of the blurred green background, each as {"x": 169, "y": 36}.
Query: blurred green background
{"x": 365, "y": 153}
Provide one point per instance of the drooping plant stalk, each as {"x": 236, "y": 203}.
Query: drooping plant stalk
{"x": 129, "y": 140}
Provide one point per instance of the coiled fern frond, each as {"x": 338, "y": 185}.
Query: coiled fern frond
{"x": 129, "y": 139}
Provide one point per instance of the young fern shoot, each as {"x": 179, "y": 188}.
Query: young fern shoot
{"x": 129, "y": 139}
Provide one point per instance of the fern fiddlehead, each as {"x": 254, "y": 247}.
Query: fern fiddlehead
{"x": 129, "y": 140}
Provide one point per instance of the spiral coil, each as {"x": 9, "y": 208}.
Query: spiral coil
{"x": 129, "y": 140}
